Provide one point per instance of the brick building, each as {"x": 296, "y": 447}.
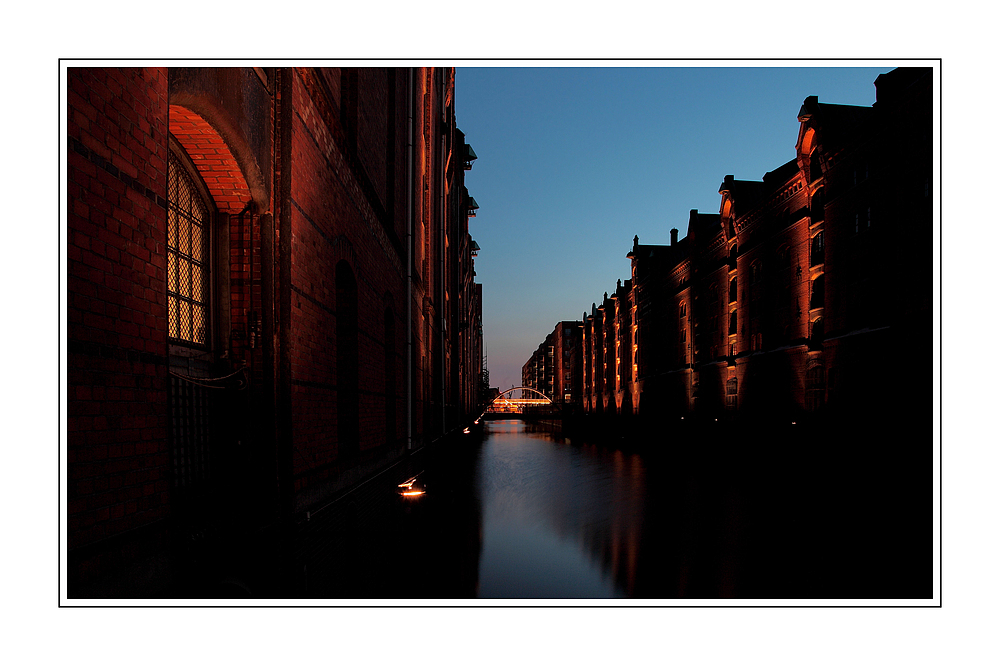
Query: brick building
{"x": 271, "y": 297}
{"x": 567, "y": 383}
{"x": 809, "y": 292}
{"x": 556, "y": 367}
{"x": 538, "y": 371}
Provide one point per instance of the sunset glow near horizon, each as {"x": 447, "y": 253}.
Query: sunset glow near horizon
{"x": 573, "y": 162}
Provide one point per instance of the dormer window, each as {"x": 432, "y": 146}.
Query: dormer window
{"x": 470, "y": 157}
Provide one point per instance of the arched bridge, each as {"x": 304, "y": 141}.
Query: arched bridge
{"x": 505, "y": 404}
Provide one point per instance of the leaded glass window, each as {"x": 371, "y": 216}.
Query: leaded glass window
{"x": 187, "y": 257}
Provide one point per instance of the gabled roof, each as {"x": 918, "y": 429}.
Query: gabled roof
{"x": 778, "y": 177}
{"x": 833, "y": 122}
{"x": 744, "y": 193}
{"x": 703, "y": 226}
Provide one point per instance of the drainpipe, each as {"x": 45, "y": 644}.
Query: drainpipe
{"x": 444, "y": 234}
{"x": 411, "y": 102}
{"x": 444, "y": 262}
{"x": 284, "y": 299}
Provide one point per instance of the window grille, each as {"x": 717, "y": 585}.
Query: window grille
{"x": 187, "y": 257}
{"x": 189, "y": 422}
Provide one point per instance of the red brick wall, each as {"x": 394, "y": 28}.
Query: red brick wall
{"x": 372, "y": 121}
{"x": 212, "y": 158}
{"x": 346, "y": 162}
{"x": 333, "y": 220}
{"x": 117, "y": 402}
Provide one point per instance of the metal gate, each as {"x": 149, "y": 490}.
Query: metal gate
{"x": 190, "y": 427}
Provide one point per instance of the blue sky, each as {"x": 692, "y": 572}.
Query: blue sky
{"x": 573, "y": 162}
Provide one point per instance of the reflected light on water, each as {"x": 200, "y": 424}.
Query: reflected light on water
{"x": 559, "y": 520}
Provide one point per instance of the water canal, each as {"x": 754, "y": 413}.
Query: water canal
{"x": 523, "y": 511}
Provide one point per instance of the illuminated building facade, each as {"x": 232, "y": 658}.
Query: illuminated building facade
{"x": 556, "y": 367}
{"x": 271, "y": 297}
{"x": 567, "y": 381}
{"x": 809, "y": 293}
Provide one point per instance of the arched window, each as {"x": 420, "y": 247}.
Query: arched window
{"x": 816, "y": 250}
{"x": 816, "y": 300}
{"x": 731, "y": 393}
{"x": 732, "y": 290}
{"x": 732, "y": 323}
{"x": 784, "y": 258}
{"x": 189, "y": 329}
{"x": 815, "y": 388}
{"x": 816, "y": 333}
{"x": 188, "y": 233}
{"x": 817, "y": 207}
{"x": 347, "y": 362}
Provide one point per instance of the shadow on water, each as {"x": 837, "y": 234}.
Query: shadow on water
{"x": 749, "y": 511}
{"x": 791, "y": 512}
{"x": 377, "y": 544}
{"x": 706, "y": 511}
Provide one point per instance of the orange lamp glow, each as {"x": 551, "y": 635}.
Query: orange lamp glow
{"x": 406, "y": 488}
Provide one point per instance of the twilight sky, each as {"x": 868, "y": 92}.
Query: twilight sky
{"x": 573, "y": 162}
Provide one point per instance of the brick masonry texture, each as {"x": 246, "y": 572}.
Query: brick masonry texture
{"x": 304, "y": 172}
{"x": 787, "y": 303}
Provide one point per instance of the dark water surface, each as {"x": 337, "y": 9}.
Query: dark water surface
{"x": 525, "y": 512}
{"x": 559, "y": 521}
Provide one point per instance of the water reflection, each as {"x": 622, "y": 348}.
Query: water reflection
{"x": 559, "y": 520}
{"x": 522, "y": 512}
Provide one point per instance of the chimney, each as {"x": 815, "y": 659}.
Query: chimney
{"x": 673, "y": 237}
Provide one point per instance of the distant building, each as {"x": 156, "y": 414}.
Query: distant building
{"x": 556, "y": 367}
{"x": 567, "y": 380}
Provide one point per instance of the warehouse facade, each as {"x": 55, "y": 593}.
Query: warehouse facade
{"x": 271, "y": 297}
{"x": 808, "y": 295}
